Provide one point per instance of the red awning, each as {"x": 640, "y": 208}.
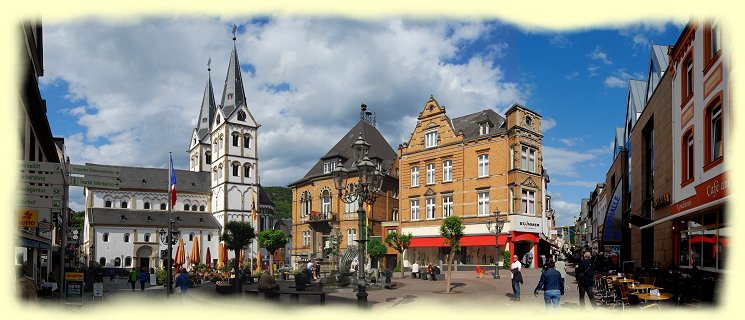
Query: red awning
{"x": 467, "y": 241}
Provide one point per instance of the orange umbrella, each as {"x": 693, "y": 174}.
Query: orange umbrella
{"x": 196, "y": 256}
{"x": 220, "y": 256}
{"x": 180, "y": 254}
{"x": 208, "y": 258}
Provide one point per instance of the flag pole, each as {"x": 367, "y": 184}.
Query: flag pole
{"x": 169, "y": 276}
{"x": 258, "y": 229}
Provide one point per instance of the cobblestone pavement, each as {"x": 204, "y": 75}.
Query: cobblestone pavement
{"x": 467, "y": 290}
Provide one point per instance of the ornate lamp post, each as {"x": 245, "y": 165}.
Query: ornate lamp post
{"x": 364, "y": 191}
{"x": 168, "y": 238}
{"x": 496, "y": 228}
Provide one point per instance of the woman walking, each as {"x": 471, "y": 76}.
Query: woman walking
{"x": 552, "y": 285}
{"x": 133, "y": 278}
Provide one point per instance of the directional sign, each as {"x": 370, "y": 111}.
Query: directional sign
{"x": 53, "y": 191}
{"x": 39, "y": 202}
{"x": 41, "y": 178}
{"x": 40, "y": 166}
{"x": 94, "y": 182}
{"x": 93, "y": 170}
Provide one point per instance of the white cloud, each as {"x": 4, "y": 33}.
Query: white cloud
{"x": 560, "y": 41}
{"x": 565, "y": 211}
{"x": 142, "y": 82}
{"x": 568, "y": 163}
{"x": 592, "y": 70}
{"x": 600, "y": 55}
{"x": 572, "y": 75}
{"x": 570, "y": 142}
{"x": 641, "y": 33}
{"x": 574, "y": 183}
{"x": 620, "y": 79}
{"x": 547, "y": 124}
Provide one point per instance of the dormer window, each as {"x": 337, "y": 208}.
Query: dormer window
{"x": 430, "y": 139}
{"x": 483, "y": 128}
{"x": 204, "y": 120}
{"x": 329, "y": 166}
{"x": 230, "y": 96}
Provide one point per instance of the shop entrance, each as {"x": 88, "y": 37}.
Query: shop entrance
{"x": 524, "y": 251}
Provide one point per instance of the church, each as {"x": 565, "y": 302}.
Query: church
{"x": 122, "y": 227}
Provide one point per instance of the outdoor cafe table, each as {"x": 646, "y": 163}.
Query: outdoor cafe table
{"x": 663, "y": 296}
{"x": 622, "y": 281}
{"x": 640, "y": 287}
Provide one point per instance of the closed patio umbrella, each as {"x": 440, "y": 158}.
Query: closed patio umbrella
{"x": 180, "y": 254}
{"x": 208, "y": 258}
{"x": 220, "y": 256}
{"x": 196, "y": 256}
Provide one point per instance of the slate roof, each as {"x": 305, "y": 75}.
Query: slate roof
{"x": 206, "y": 111}
{"x": 233, "y": 85}
{"x": 157, "y": 179}
{"x": 284, "y": 225}
{"x": 469, "y": 124}
{"x": 379, "y": 147}
{"x": 158, "y": 218}
{"x": 264, "y": 198}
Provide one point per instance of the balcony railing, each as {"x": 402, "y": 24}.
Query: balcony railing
{"x": 321, "y": 216}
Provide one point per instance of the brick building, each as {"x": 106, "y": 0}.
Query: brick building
{"x": 472, "y": 166}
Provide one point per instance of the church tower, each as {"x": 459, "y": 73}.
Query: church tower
{"x": 224, "y": 144}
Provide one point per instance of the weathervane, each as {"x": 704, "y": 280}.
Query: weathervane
{"x": 209, "y": 61}
{"x": 235, "y": 28}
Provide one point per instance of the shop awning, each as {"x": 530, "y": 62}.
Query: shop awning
{"x": 639, "y": 221}
{"x": 467, "y": 241}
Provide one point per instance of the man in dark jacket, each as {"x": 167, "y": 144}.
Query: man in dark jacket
{"x": 585, "y": 273}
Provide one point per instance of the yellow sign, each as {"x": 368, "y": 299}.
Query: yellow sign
{"x": 28, "y": 218}
{"x": 74, "y": 276}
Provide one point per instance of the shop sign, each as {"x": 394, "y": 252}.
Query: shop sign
{"x": 661, "y": 201}
{"x": 614, "y": 217}
{"x": 711, "y": 190}
{"x": 525, "y": 223}
{"x": 28, "y": 218}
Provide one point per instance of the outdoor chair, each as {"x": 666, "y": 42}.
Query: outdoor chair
{"x": 623, "y": 299}
{"x": 652, "y": 306}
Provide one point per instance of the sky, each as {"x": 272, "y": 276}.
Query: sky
{"x": 127, "y": 93}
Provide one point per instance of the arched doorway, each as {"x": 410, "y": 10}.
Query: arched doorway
{"x": 143, "y": 257}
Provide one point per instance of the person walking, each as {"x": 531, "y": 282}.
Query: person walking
{"x": 133, "y": 278}
{"x": 552, "y": 285}
{"x": 182, "y": 282}
{"x": 142, "y": 277}
{"x": 585, "y": 274}
{"x": 517, "y": 280}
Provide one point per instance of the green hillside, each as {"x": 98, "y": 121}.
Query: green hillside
{"x": 282, "y": 198}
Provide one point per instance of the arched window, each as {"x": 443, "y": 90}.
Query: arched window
{"x": 117, "y": 262}
{"x": 214, "y": 174}
{"x": 147, "y": 237}
{"x": 235, "y": 139}
{"x": 220, "y": 142}
{"x": 191, "y": 236}
{"x": 217, "y": 151}
{"x": 128, "y": 261}
{"x": 247, "y": 141}
{"x": 235, "y": 169}
{"x": 124, "y": 204}
{"x": 102, "y": 261}
{"x": 208, "y": 157}
{"x": 201, "y": 208}
{"x": 186, "y": 207}
{"x": 247, "y": 170}
{"x": 325, "y": 201}
{"x": 241, "y": 116}
{"x": 105, "y": 237}
{"x": 126, "y": 237}
{"x": 147, "y": 205}
{"x": 194, "y": 207}
{"x": 162, "y": 206}
{"x": 209, "y": 237}
{"x": 219, "y": 172}
{"x": 107, "y": 204}
{"x": 218, "y": 119}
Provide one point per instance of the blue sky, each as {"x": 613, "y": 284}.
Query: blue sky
{"x": 127, "y": 94}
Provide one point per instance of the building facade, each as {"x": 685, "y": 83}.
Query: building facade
{"x": 474, "y": 166}
{"x": 318, "y": 209}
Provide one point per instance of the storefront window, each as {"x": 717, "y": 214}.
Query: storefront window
{"x": 722, "y": 247}
{"x": 704, "y": 241}
{"x": 684, "y": 257}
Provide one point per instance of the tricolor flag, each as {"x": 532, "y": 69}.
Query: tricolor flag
{"x": 173, "y": 183}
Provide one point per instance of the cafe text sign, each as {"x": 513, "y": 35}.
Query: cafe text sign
{"x": 711, "y": 190}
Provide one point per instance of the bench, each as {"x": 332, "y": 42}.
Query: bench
{"x": 223, "y": 287}
{"x": 294, "y": 295}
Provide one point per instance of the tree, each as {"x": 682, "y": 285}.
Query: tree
{"x": 375, "y": 249}
{"x": 237, "y": 235}
{"x": 272, "y": 240}
{"x": 399, "y": 242}
{"x": 452, "y": 230}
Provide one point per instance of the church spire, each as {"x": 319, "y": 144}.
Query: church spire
{"x": 233, "y": 94}
{"x": 207, "y": 111}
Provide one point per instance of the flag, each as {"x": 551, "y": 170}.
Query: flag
{"x": 253, "y": 206}
{"x": 173, "y": 183}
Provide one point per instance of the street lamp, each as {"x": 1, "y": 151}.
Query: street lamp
{"x": 364, "y": 191}
{"x": 495, "y": 227}
{"x": 169, "y": 238}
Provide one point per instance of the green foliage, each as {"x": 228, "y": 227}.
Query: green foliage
{"x": 397, "y": 268}
{"x": 237, "y": 235}
{"x": 452, "y": 230}
{"x": 282, "y": 198}
{"x": 506, "y": 259}
{"x": 272, "y": 240}
{"x": 78, "y": 221}
{"x": 160, "y": 275}
{"x": 375, "y": 248}
{"x": 397, "y": 241}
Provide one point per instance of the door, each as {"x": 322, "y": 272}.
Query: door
{"x": 144, "y": 263}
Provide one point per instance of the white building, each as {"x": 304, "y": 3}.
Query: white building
{"x": 222, "y": 185}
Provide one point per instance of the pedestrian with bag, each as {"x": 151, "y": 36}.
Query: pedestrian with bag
{"x": 517, "y": 280}
{"x": 182, "y": 284}
{"x": 133, "y": 278}
{"x": 552, "y": 285}
{"x": 585, "y": 273}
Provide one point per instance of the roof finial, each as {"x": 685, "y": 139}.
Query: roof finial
{"x": 235, "y": 28}
{"x": 209, "y": 61}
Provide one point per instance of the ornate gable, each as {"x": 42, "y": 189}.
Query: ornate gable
{"x": 429, "y": 193}
{"x": 529, "y": 183}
